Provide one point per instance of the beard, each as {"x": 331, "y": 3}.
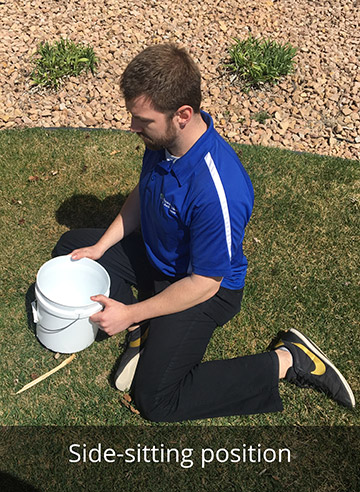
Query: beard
{"x": 164, "y": 141}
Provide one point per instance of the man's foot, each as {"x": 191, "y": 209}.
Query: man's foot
{"x": 134, "y": 344}
{"x": 311, "y": 367}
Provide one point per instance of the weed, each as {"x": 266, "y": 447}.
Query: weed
{"x": 64, "y": 58}
{"x": 261, "y": 117}
{"x": 258, "y": 61}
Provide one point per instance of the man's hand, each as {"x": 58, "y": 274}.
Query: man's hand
{"x": 92, "y": 252}
{"x": 183, "y": 294}
{"x": 114, "y": 318}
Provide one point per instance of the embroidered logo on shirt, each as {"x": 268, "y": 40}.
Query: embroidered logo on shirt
{"x": 169, "y": 206}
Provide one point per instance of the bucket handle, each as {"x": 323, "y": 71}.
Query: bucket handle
{"x": 36, "y": 319}
{"x": 59, "y": 329}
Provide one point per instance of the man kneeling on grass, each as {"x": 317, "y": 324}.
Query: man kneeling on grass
{"x": 193, "y": 201}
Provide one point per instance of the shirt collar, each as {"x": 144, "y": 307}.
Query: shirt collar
{"x": 170, "y": 157}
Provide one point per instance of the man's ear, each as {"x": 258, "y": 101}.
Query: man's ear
{"x": 184, "y": 115}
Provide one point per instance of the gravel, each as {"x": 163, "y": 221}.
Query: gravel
{"x": 315, "y": 109}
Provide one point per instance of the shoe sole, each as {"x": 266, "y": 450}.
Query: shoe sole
{"x": 124, "y": 380}
{"x": 324, "y": 358}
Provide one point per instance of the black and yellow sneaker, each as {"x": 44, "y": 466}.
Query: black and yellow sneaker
{"x": 311, "y": 367}
{"x": 134, "y": 345}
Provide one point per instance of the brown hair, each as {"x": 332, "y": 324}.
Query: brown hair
{"x": 165, "y": 74}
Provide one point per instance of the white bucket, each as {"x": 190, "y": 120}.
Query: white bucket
{"x": 63, "y": 306}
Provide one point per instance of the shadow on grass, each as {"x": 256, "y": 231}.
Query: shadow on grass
{"x": 14, "y": 484}
{"x": 80, "y": 211}
{"x": 29, "y": 298}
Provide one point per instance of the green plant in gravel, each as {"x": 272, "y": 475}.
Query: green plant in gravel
{"x": 261, "y": 117}
{"x": 64, "y": 58}
{"x": 258, "y": 61}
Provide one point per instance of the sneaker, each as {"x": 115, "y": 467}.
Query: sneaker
{"x": 135, "y": 341}
{"x": 311, "y": 367}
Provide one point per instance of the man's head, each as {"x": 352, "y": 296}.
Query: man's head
{"x": 155, "y": 128}
{"x": 166, "y": 75}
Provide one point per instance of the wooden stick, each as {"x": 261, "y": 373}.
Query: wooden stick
{"x": 44, "y": 376}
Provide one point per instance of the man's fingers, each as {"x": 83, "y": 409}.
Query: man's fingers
{"x": 113, "y": 318}
{"x": 77, "y": 255}
{"x": 105, "y": 301}
{"x": 96, "y": 318}
{"x": 102, "y": 299}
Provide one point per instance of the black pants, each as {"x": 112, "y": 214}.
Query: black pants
{"x": 171, "y": 383}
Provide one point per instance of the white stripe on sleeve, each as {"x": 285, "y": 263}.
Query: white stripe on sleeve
{"x": 222, "y": 197}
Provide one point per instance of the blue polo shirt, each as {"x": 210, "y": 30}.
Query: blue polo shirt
{"x": 194, "y": 210}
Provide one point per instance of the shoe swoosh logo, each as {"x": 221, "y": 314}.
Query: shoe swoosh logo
{"x": 320, "y": 367}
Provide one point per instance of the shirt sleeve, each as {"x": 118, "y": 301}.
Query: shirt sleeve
{"x": 210, "y": 240}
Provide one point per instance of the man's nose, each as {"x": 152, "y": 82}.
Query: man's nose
{"x": 135, "y": 126}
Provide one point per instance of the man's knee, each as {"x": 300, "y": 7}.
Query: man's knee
{"x": 151, "y": 406}
{"x": 63, "y": 247}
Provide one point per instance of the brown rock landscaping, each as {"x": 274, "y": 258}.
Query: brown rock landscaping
{"x": 314, "y": 109}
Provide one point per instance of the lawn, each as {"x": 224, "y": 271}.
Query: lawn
{"x": 301, "y": 243}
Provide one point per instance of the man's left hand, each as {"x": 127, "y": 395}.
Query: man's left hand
{"x": 114, "y": 318}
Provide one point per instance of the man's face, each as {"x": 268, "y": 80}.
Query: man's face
{"x": 156, "y": 129}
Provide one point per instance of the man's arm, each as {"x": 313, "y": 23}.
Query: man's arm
{"x": 180, "y": 295}
{"x": 126, "y": 222}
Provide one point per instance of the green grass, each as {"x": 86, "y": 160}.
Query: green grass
{"x": 302, "y": 247}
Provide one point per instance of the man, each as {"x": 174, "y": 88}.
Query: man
{"x": 193, "y": 201}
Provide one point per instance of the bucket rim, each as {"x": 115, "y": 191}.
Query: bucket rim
{"x": 45, "y": 298}
{"x": 68, "y": 259}
{"x": 65, "y": 311}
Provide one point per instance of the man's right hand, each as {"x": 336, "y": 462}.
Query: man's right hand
{"x": 92, "y": 252}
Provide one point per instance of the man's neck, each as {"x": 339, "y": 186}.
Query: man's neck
{"x": 188, "y": 136}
